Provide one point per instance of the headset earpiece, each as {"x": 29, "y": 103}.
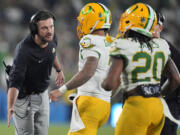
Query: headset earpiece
{"x": 33, "y": 25}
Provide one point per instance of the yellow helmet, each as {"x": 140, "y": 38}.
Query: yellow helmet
{"x": 93, "y": 16}
{"x": 140, "y": 18}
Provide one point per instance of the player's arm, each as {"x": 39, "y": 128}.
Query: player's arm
{"x": 84, "y": 75}
{"x": 79, "y": 79}
{"x": 172, "y": 73}
{"x": 113, "y": 80}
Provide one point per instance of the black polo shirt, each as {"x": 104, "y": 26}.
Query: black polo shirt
{"x": 32, "y": 66}
{"x": 175, "y": 55}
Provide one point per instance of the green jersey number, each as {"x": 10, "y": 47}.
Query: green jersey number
{"x": 151, "y": 63}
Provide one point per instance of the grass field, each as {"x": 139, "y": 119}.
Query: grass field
{"x": 55, "y": 130}
{"x": 59, "y": 130}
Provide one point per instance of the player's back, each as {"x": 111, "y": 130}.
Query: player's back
{"x": 142, "y": 65}
{"x": 96, "y": 46}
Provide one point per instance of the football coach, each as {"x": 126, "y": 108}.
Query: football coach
{"x": 35, "y": 55}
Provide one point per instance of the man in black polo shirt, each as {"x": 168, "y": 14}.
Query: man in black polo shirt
{"x": 29, "y": 77}
{"x": 173, "y": 100}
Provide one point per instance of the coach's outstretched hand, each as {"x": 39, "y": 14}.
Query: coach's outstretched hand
{"x": 60, "y": 79}
{"x": 55, "y": 94}
{"x": 10, "y": 113}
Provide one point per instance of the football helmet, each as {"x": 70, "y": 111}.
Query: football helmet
{"x": 139, "y": 17}
{"x": 93, "y": 16}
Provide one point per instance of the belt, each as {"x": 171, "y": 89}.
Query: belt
{"x": 149, "y": 90}
{"x": 36, "y": 92}
{"x": 25, "y": 94}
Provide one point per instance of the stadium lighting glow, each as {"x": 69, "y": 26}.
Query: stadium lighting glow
{"x": 116, "y": 110}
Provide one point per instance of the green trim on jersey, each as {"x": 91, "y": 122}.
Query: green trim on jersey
{"x": 125, "y": 58}
{"x": 81, "y": 53}
{"x": 117, "y": 52}
{"x": 99, "y": 54}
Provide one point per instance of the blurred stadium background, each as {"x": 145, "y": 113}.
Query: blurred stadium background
{"x": 14, "y": 18}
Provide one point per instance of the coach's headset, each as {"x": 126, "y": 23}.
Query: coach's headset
{"x": 161, "y": 18}
{"x": 38, "y": 16}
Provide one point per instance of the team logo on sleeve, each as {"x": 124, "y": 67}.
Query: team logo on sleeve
{"x": 86, "y": 43}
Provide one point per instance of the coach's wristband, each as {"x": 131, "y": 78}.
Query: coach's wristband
{"x": 63, "y": 89}
{"x": 58, "y": 70}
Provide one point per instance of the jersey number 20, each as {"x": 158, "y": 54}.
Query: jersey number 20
{"x": 151, "y": 64}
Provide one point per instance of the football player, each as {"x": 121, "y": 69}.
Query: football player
{"x": 91, "y": 106}
{"x": 139, "y": 60}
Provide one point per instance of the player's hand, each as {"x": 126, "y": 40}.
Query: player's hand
{"x": 60, "y": 79}
{"x": 10, "y": 113}
{"x": 55, "y": 94}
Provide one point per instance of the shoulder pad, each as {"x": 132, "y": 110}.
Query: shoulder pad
{"x": 121, "y": 43}
{"x": 121, "y": 46}
{"x": 161, "y": 41}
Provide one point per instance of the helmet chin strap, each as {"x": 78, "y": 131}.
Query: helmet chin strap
{"x": 94, "y": 26}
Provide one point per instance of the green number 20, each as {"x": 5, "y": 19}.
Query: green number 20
{"x": 149, "y": 60}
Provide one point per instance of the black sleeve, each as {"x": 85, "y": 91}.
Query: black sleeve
{"x": 17, "y": 73}
{"x": 175, "y": 55}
